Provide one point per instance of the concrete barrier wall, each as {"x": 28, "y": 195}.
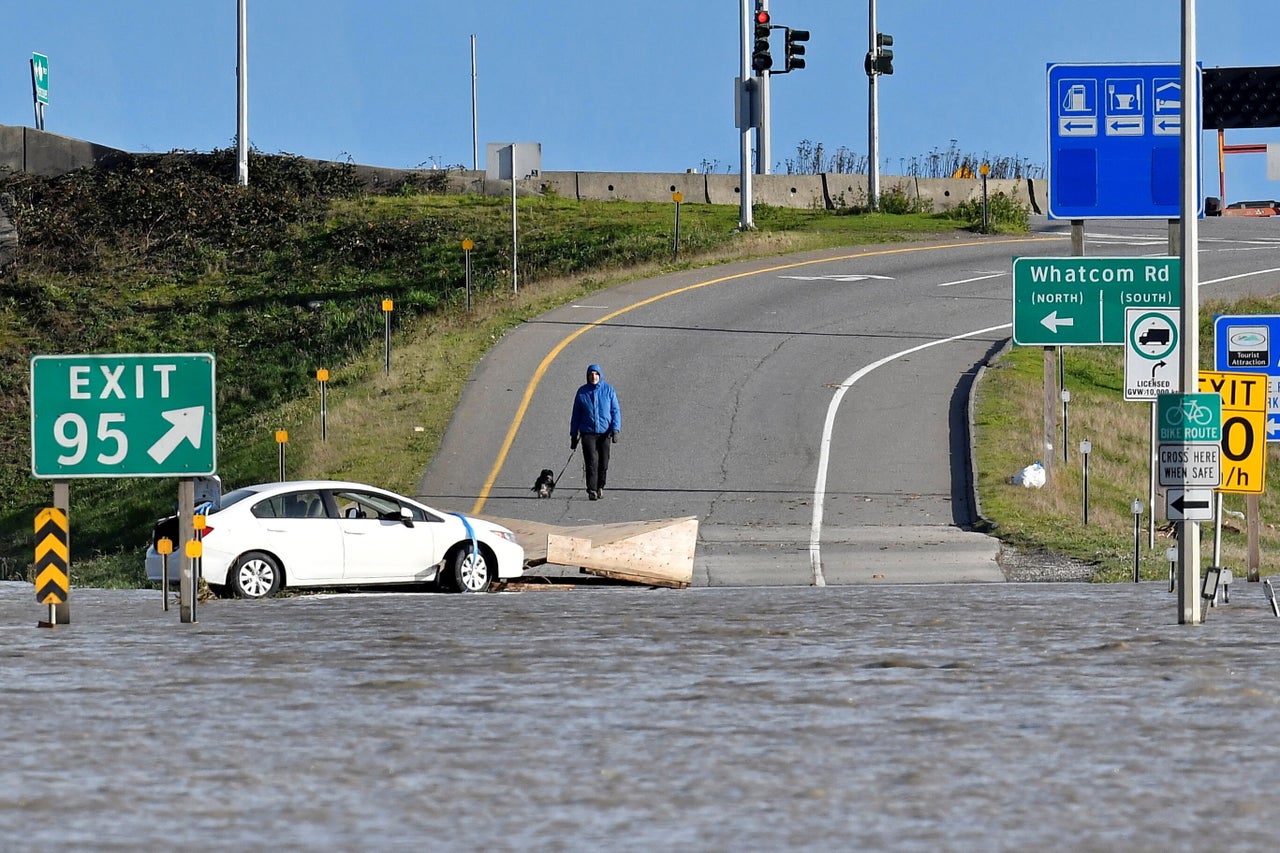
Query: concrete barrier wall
{"x": 640, "y": 186}
{"x": 11, "y": 148}
{"x": 41, "y": 153}
{"x": 805, "y": 191}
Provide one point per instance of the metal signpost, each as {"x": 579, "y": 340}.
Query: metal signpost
{"x": 1114, "y": 134}
{"x": 122, "y": 416}
{"x": 1081, "y": 301}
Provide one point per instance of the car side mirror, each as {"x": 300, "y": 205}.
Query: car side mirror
{"x": 406, "y": 516}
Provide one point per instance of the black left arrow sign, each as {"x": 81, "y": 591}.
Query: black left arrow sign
{"x": 1181, "y": 504}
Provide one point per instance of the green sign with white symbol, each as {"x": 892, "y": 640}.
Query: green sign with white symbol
{"x": 1188, "y": 418}
{"x": 1082, "y": 301}
{"x": 40, "y": 77}
{"x": 123, "y": 416}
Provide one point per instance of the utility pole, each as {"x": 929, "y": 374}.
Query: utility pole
{"x": 242, "y": 95}
{"x": 1189, "y": 603}
{"x": 745, "y": 222}
{"x": 475, "y": 136}
{"x": 873, "y": 113}
{"x": 764, "y": 142}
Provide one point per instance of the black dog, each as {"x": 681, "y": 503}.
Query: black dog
{"x": 545, "y": 484}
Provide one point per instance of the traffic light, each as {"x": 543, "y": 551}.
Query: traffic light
{"x": 884, "y": 56}
{"x": 761, "y": 61}
{"x": 794, "y": 57}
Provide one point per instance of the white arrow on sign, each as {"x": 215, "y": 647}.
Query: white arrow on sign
{"x": 188, "y": 424}
{"x": 1052, "y": 322}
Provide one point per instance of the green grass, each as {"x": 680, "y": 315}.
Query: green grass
{"x": 166, "y": 254}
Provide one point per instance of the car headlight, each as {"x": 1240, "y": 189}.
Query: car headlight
{"x": 505, "y": 534}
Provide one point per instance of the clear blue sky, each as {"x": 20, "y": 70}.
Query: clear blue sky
{"x": 603, "y": 85}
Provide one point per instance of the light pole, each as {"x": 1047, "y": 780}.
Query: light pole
{"x": 242, "y": 94}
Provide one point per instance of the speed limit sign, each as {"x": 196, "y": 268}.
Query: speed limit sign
{"x": 1244, "y": 429}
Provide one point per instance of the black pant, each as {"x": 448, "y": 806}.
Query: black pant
{"x": 595, "y": 459}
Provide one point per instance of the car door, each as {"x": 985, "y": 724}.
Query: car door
{"x": 297, "y": 528}
{"x": 378, "y": 547}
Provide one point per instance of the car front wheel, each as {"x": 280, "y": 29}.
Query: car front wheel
{"x": 256, "y": 575}
{"x": 468, "y": 571}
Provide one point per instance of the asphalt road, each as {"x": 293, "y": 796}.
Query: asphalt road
{"x": 810, "y": 410}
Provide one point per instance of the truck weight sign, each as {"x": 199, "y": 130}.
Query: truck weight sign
{"x": 123, "y": 416}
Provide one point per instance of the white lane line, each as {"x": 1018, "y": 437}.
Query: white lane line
{"x": 1241, "y": 275}
{"x": 824, "y": 456}
{"x": 982, "y": 277}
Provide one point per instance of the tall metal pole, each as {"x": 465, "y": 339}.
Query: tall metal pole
{"x": 1189, "y": 536}
{"x": 475, "y": 136}
{"x": 745, "y": 222}
{"x": 765, "y": 140}
{"x": 873, "y": 117}
{"x": 242, "y": 95}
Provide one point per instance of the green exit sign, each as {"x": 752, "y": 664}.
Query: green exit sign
{"x": 1081, "y": 301}
{"x": 123, "y": 416}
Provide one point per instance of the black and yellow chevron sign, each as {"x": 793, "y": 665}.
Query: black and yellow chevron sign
{"x": 53, "y": 581}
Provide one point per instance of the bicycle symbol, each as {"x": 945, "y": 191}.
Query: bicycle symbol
{"x": 1190, "y": 412}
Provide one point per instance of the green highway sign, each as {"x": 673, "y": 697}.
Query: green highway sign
{"x": 40, "y": 77}
{"x": 1082, "y": 301}
{"x": 123, "y": 416}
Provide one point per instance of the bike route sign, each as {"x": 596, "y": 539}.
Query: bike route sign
{"x": 1081, "y": 301}
{"x": 123, "y": 416}
{"x": 1189, "y": 431}
{"x": 1114, "y": 146}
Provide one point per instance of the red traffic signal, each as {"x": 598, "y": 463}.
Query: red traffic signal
{"x": 762, "y": 17}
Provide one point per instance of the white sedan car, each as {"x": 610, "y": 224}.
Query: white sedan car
{"x": 321, "y": 533}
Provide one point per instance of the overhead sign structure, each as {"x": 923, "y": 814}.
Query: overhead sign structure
{"x": 1114, "y": 148}
{"x": 1244, "y": 415}
{"x": 1152, "y": 362}
{"x": 1250, "y": 343}
{"x": 123, "y": 416}
{"x": 1081, "y": 301}
{"x": 1189, "y": 432}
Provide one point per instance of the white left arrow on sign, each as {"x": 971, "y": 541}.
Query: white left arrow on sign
{"x": 188, "y": 425}
{"x": 1053, "y": 322}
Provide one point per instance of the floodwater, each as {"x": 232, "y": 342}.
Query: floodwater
{"x": 956, "y": 717}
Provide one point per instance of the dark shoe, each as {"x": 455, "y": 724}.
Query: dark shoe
{"x": 600, "y": 492}
{"x": 591, "y": 495}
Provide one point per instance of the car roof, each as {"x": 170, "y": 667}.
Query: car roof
{"x": 293, "y": 485}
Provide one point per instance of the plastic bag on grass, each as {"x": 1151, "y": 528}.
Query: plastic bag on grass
{"x": 1032, "y": 477}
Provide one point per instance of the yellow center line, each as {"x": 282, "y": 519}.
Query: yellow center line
{"x": 541, "y": 370}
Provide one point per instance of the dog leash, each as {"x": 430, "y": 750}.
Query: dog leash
{"x": 556, "y": 481}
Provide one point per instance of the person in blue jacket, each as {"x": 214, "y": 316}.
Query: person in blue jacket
{"x": 596, "y": 420}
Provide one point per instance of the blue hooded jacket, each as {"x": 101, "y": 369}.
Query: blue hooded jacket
{"x": 595, "y": 407}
